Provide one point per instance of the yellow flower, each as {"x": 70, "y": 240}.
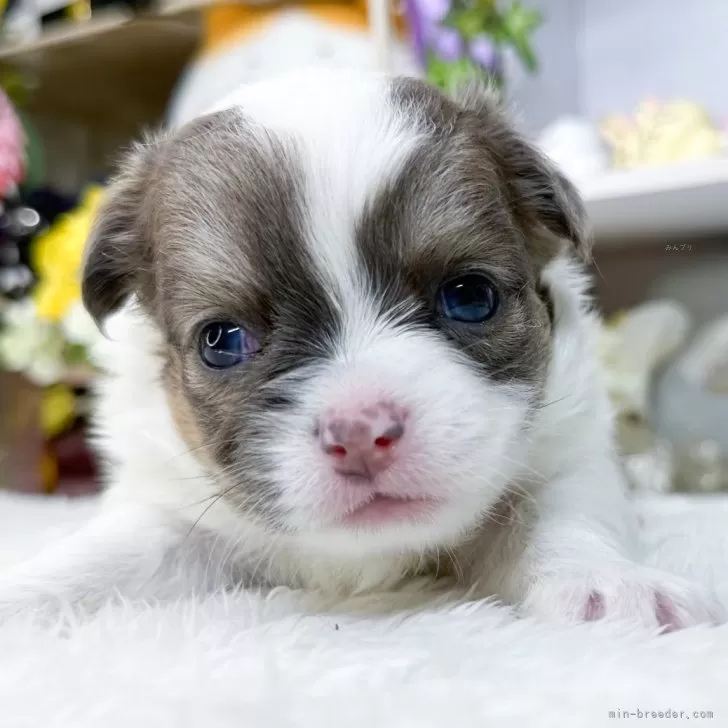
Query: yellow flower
{"x": 57, "y": 256}
{"x": 58, "y": 409}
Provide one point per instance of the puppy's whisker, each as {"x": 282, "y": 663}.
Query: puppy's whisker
{"x": 204, "y": 446}
{"x": 459, "y": 573}
{"x": 522, "y": 468}
{"x": 552, "y": 402}
{"x": 215, "y": 499}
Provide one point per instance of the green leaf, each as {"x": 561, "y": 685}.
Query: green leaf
{"x": 450, "y": 74}
{"x": 469, "y": 22}
{"x": 527, "y": 55}
{"x": 474, "y": 19}
{"x": 512, "y": 27}
{"x": 15, "y": 87}
{"x": 489, "y": 5}
{"x": 438, "y": 71}
{"x": 490, "y": 18}
{"x": 34, "y": 154}
{"x": 75, "y": 354}
{"x": 450, "y": 19}
{"x": 520, "y": 23}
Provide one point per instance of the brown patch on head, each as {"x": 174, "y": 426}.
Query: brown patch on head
{"x": 543, "y": 204}
{"x": 229, "y": 247}
{"x": 227, "y": 225}
{"x": 205, "y": 226}
{"x": 474, "y": 197}
{"x": 201, "y": 224}
{"x": 119, "y": 252}
{"x": 547, "y": 206}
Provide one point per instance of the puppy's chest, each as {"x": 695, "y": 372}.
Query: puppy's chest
{"x": 476, "y": 568}
{"x": 355, "y": 592}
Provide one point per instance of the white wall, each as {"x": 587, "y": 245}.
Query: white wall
{"x": 555, "y": 89}
{"x": 668, "y": 48}
{"x": 601, "y": 56}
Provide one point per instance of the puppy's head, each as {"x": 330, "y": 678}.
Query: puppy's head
{"x": 345, "y": 272}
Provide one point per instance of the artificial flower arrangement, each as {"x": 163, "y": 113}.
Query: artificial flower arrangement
{"x": 45, "y": 336}
{"x": 458, "y": 39}
{"x": 45, "y": 332}
{"x": 662, "y": 132}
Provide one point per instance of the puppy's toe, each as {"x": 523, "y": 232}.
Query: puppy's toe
{"x": 623, "y": 592}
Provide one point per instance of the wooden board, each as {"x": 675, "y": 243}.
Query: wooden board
{"x": 112, "y": 69}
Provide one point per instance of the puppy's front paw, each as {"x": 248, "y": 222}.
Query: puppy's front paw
{"x": 622, "y": 591}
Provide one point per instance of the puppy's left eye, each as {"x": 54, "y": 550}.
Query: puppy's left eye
{"x": 224, "y": 344}
{"x": 470, "y": 299}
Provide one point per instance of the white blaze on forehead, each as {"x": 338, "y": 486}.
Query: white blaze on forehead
{"x": 352, "y": 141}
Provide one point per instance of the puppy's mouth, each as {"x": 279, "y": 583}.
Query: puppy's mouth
{"x": 382, "y": 509}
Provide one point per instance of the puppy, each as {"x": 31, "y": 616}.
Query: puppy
{"x": 350, "y": 351}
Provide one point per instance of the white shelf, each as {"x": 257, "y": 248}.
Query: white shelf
{"x": 668, "y": 203}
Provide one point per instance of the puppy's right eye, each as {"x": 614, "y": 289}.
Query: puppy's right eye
{"x": 469, "y": 299}
{"x": 224, "y": 344}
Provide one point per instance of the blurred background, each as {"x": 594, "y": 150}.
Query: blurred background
{"x": 627, "y": 97}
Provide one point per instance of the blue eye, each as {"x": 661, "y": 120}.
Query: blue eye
{"x": 470, "y": 299}
{"x": 223, "y": 345}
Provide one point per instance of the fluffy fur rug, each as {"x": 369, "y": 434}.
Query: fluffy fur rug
{"x": 263, "y": 662}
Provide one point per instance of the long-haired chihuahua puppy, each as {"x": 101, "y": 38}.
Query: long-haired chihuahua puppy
{"x": 350, "y": 351}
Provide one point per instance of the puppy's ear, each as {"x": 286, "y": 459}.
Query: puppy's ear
{"x": 540, "y": 195}
{"x": 118, "y": 251}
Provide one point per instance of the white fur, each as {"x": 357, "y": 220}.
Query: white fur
{"x": 227, "y": 661}
{"x": 569, "y": 542}
{"x": 349, "y": 150}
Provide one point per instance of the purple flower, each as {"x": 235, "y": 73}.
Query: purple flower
{"x": 483, "y": 51}
{"x": 433, "y": 10}
{"x": 447, "y": 44}
{"x": 416, "y": 24}
{"x": 425, "y": 19}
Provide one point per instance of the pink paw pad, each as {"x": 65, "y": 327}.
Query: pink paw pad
{"x": 665, "y": 613}
{"x": 594, "y": 608}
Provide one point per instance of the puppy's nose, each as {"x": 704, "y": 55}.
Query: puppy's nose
{"x": 361, "y": 441}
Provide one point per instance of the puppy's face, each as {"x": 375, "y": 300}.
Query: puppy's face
{"x": 345, "y": 270}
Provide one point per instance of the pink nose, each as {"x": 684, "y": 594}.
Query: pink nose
{"x": 361, "y": 442}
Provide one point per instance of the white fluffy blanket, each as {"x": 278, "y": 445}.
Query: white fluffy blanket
{"x": 255, "y": 662}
